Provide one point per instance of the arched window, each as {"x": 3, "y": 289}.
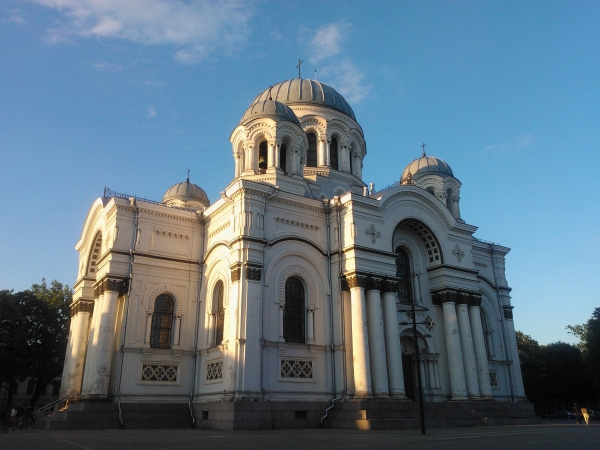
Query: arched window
{"x": 162, "y": 322}
{"x": 293, "y": 312}
{"x": 311, "y": 156}
{"x": 404, "y": 276}
{"x": 333, "y": 153}
{"x": 218, "y": 295}
{"x": 283, "y": 158}
{"x": 351, "y": 162}
{"x": 262, "y": 157}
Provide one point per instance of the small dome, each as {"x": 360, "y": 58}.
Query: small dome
{"x": 426, "y": 165}
{"x": 186, "y": 194}
{"x": 306, "y": 91}
{"x": 271, "y": 109}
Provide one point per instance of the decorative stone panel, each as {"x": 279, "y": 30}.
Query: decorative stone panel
{"x": 494, "y": 379}
{"x": 214, "y": 371}
{"x": 296, "y": 369}
{"x": 157, "y": 373}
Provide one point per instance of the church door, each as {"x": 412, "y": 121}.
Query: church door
{"x": 409, "y": 379}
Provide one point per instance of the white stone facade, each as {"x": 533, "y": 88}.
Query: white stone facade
{"x": 189, "y": 301}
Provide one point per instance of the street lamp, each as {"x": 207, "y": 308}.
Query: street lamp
{"x": 429, "y": 323}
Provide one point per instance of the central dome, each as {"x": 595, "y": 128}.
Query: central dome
{"x": 306, "y": 91}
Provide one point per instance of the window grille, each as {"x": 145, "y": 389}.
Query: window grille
{"x": 311, "y": 155}
{"x": 162, "y": 322}
{"x": 214, "y": 370}
{"x": 494, "y": 379}
{"x": 160, "y": 373}
{"x": 404, "y": 277}
{"x": 333, "y": 154}
{"x": 293, "y": 312}
{"x": 220, "y": 326}
{"x": 297, "y": 368}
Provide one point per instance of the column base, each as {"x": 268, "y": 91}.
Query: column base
{"x": 459, "y": 398}
{"x": 381, "y": 395}
{"x": 487, "y": 398}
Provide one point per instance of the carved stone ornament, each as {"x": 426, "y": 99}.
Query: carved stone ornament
{"x": 372, "y": 233}
{"x": 455, "y": 296}
{"x": 475, "y": 300}
{"x": 356, "y": 281}
{"x": 458, "y": 253}
{"x": 236, "y": 272}
{"x": 344, "y": 283}
{"x": 111, "y": 285}
{"x": 253, "y": 273}
{"x": 508, "y": 314}
{"x": 389, "y": 286}
{"x": 82, "y": 306}
{"x": 373, "y": 284}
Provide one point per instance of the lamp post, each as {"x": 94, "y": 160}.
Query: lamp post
{"x": 428, "y": 322}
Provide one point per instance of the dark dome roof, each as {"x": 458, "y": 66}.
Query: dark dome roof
{"x": 307, "y": 91}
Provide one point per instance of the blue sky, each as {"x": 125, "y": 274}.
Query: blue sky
{"x": 131, "y": 95}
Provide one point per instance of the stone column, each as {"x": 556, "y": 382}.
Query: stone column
{"x": 344, "y": 163}
{"x": 176, "y": 328}
{"x": 466, "y": 344}
{"x": 310, "y": 329}
{"x": 322, "y": 159}
{"x": 327, "y": 153}
{"x": 417, "y": 287}
{"x": 89, "y": 372}
{"x": 379, "y": 378}
{"x": 515, "y": 366}
{"x": 271, "y": 155}
{"x": 431, "y": 374}
{"x": 483, "y": 372}
{"x": 277, "y": 155}
{"x": 393, "y": 349}
{"x": 456, "y": 369}
{"x": 360, "y": 338}
{"x": 106, "y": 335}
{"x": 249, "y": 159}
{"x": 347, "y": 299}
{"x": 281, "y": 307}
{"x": 81, "y": 315}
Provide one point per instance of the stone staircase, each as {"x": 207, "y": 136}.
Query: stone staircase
{"x": 453, "y": 414}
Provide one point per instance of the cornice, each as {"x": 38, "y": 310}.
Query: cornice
{"x": 451, "y": 267}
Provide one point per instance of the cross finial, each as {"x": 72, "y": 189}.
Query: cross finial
{"x": 188, "y": 178}
{"x": 315, "y": 74}
{"x": 270, "y": 87}
{"x": 298, "y": 66}
{"x": 423, "y": 147}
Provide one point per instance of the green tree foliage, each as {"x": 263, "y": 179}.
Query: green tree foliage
{"x": 589, "y": 344}
{"x": 39, "y": 332}
{"x": 554, "y": 375}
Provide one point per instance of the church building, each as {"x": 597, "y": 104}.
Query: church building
{"x": 293, "y": 292}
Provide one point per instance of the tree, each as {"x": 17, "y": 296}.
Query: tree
{"x": 38, "y": 335}
{"x": 589, "y": 344}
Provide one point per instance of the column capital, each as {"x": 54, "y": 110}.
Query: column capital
{"x": 236, "y": 272}
{"x": 111, "y": 284}
{"x": 82, "y": 305}
{"x": 253, "y": 272}
{"x": 508, "y": 314}
{"x": 474, "y": 300}
{"x": 344, "y": 284}
{"x": 389, "y": 286}
{"x": 373, "y": 284}
{"x": 356, "y": 281}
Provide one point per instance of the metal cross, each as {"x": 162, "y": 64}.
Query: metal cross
{"x": 270, "y": 87}
{"x": 188, "y": 180}
{"x": 373, "y": 233}
{"x": 423, "y": 147}
{"x": 458, "y": 253}
{"x": 298, "y": 66}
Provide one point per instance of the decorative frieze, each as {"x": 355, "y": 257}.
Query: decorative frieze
{"x": 214, "y": 370}
{"x": 297, "y": 369}
{"x": 456, "y": 296}
{"x": 159, "y": 373}
{"x": 296, "y": 223}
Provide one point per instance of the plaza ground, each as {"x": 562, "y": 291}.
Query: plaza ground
{"x": 557, "y": 435}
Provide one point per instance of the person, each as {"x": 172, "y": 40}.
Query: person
{"x": 576, "y": 411}
{"x": 586, "y": 415}
{"x": 13, "y": 418}
{"x": 28, "y": 416}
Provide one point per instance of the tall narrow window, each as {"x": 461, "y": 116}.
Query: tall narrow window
{"x": 351, "y": 162}
{"x": 162, "y": 322}
{"x": 311, "y": 156}
{"x": 293, "y": 312}
{"x": 219, "y": 293}
{"x": 486, "y": 333}
{"x": 262, "y": 157}
{"x": 404, "y": 277}
{"x": 283, "y": 158}
{"x": 333, "y": 154}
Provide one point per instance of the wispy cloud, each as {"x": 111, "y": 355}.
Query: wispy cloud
{"x": 151, "y": 112}
{"x": 194, "y": 29}
{"x": 523, "y": 142}
{"x": 19, "y": 20}
{"x": 326, "y": 48}
{"x": 107, "y": 66}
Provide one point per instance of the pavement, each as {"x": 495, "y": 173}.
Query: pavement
{"x": 565, "y": 436}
